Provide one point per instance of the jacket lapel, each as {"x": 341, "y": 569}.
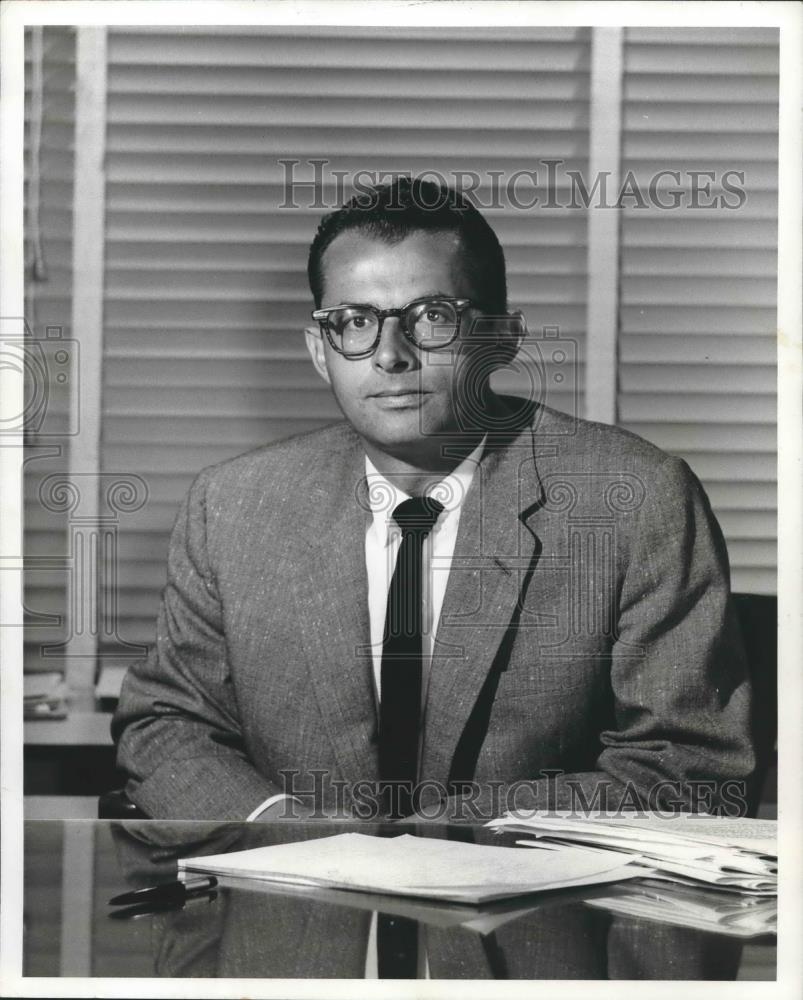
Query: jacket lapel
{"x": 495, "y": 554}
{"x": 332, "y": 599}
{"x": 494, "y": 557}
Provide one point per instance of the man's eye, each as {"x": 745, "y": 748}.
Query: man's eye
{"x": 356, "y": 323}
{"x": 435, "y": 316}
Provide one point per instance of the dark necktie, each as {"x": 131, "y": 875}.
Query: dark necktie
{"x": 400, "y": 709}
{"x": 400, "y": 678}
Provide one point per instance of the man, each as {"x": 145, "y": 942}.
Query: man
{"x": 453, "y": 602}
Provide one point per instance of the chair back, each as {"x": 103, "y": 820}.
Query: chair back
{"x": 758, "y": 618}
{"x": 117, "y": 805}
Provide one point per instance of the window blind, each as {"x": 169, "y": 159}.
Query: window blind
{"x": 698, "y": 285}
{"x": 48, "y": 295}
{"x": 205, "y": 284}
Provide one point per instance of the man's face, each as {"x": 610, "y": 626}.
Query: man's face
{"x": 401, "y": 399}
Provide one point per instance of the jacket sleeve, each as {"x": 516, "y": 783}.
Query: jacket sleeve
{"x": 679, "y": 674}
{"x": 177, "y": 725}
{"x": 681, "y": 736}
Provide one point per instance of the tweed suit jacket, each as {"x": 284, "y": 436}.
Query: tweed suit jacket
{"x": 586, "y": 639}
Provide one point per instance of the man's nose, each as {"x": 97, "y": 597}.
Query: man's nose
{"x": 394, "y": 352}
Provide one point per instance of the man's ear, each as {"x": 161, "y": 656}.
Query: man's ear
{"x": 506, "y": 334}
{"x": 515, "y": 332}
{"x": 314, "y": 340}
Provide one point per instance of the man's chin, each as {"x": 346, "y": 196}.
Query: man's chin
{"x": 423, "y": 449}
{"x": 406, "y": 422}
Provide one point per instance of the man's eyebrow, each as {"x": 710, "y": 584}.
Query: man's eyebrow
{"x": 435, "y": 293}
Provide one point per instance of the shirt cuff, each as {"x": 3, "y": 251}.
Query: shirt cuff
{"x": 267, "y": 804}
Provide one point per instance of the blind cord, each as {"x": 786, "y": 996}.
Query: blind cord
{"x": 38, "y": 264}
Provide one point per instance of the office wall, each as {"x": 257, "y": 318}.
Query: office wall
{"x": 204, "y": 289}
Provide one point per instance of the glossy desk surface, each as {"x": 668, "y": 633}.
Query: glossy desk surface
{"x": 253, "y": 930}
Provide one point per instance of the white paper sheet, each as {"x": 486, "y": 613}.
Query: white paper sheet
{"x": 734, "y": 854}
{"x": 417, "y": 866}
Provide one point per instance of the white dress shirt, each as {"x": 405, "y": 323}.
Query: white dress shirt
{"x": 382, "y": 541}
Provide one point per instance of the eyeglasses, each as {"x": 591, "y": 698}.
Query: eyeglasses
{"x": 429, "y": 323}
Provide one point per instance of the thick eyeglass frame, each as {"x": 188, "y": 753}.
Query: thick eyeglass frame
{"x": 321, "y": 316}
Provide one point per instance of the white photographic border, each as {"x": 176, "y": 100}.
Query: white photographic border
{"x": 14, "y": 16}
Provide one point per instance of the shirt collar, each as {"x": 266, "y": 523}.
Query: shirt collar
{"x": 451, "y": 490}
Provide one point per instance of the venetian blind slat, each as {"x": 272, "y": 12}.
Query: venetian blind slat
{"x": 205, "y": 287}
{"x": 48, "y": 310}
{"x": 698, "y": 285}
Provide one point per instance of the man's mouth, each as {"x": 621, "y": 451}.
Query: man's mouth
{"x": 400, "y": 398}
{"x": 399, "y": 392}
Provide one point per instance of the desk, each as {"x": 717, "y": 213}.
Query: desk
{"x": 72, "y": 756}
{"x": 73, "y": 867}
{"x": 85, "y": 729}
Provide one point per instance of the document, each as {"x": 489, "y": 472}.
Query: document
{"x": 45, "y": 696}
{"x": 738, "y": 855}
{"x": 743, "y": 916}
{"x": 418, "y": 866}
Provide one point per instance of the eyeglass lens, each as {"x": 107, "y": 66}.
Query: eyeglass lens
{"x": 429, "y": 325}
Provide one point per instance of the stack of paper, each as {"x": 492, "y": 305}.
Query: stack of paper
{"x": 417, "y": 866}
{"x": 45, "y": 696}
{"x": 738, "y": 855}
{"x": 736, "y": 915}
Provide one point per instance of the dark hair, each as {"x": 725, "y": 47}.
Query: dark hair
{"x": 391, "y": 212}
